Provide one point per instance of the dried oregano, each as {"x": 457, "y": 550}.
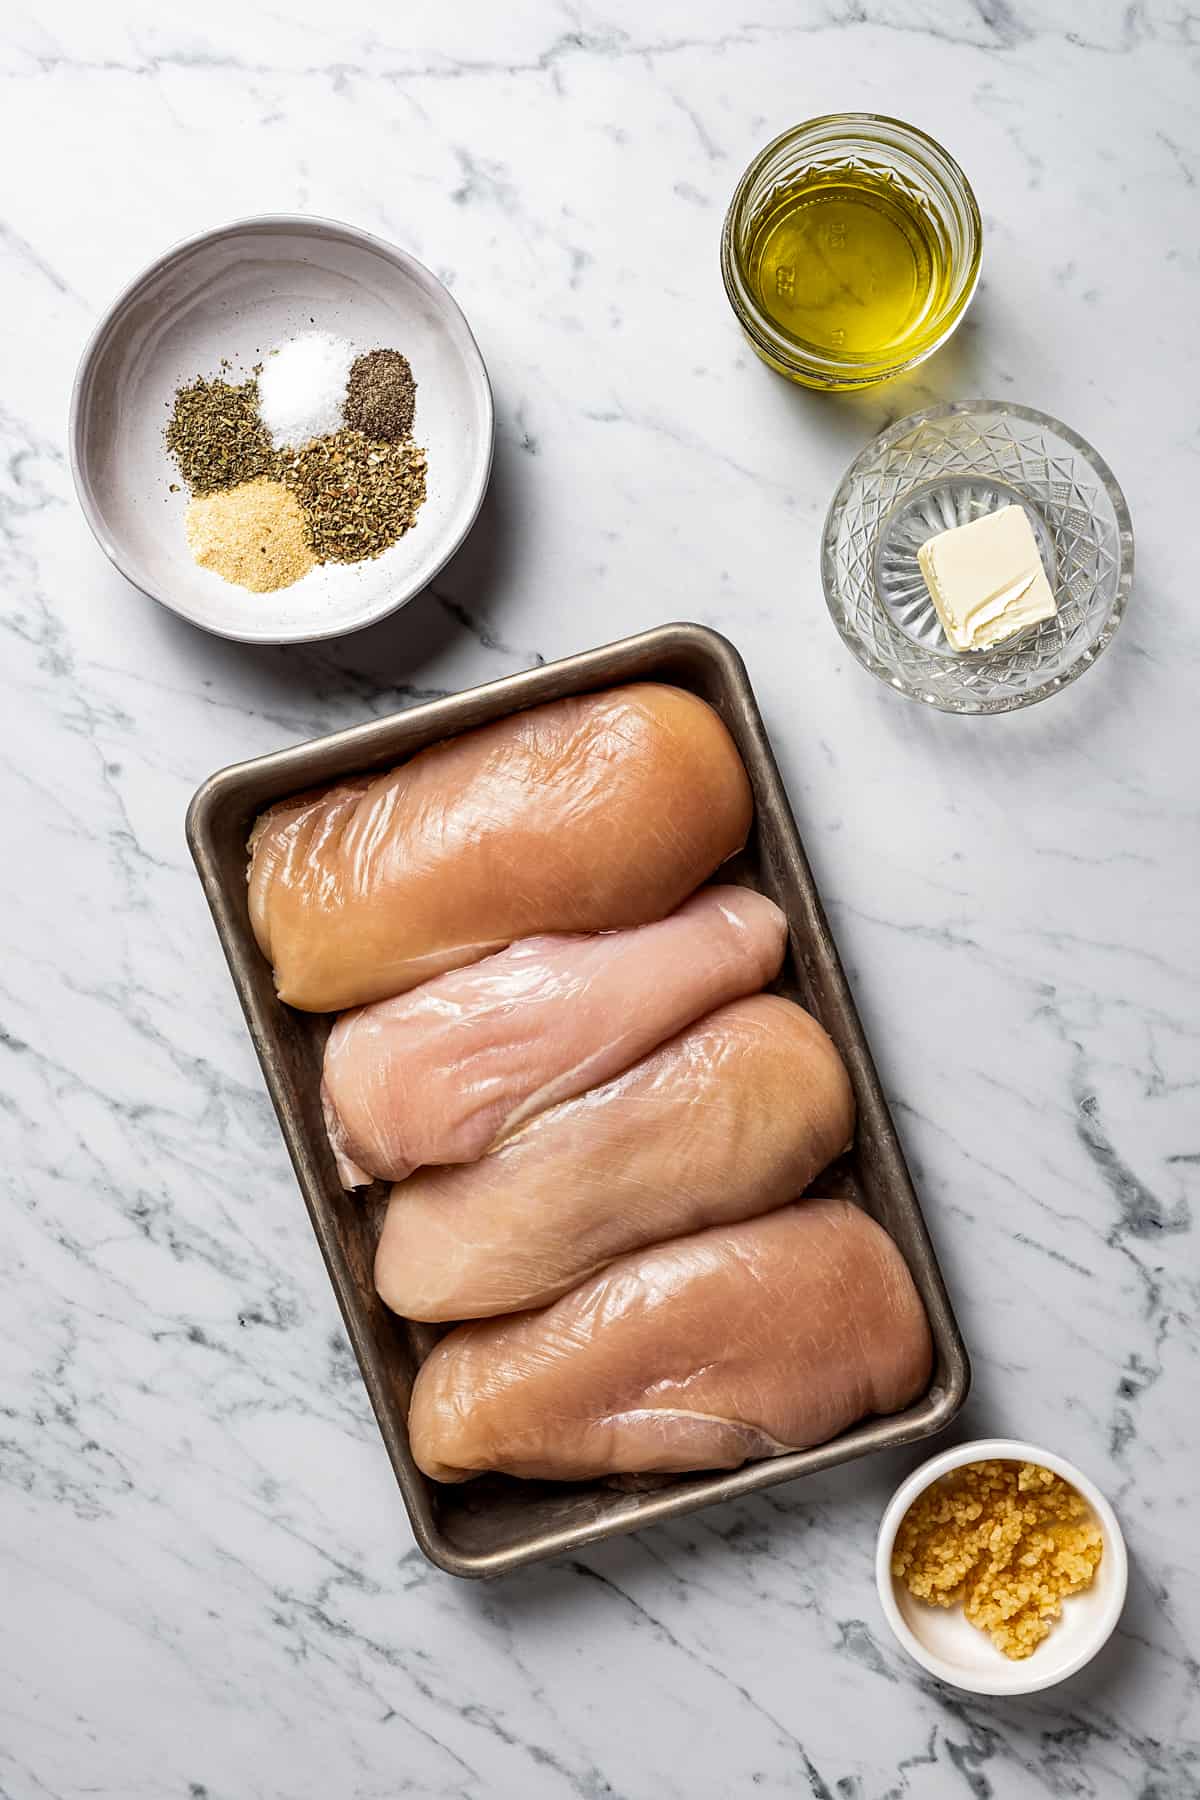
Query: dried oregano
{"x": 358, "y": 496}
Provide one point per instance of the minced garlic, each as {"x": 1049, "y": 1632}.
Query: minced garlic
{"x": 1010, "y": 1540}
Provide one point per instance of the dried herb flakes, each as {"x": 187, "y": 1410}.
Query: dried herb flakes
{"x": 216, "y": 436}
{"x": 358, "y": 496}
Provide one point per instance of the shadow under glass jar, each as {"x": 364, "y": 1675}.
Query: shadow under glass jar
{"x": 851, "y": 250}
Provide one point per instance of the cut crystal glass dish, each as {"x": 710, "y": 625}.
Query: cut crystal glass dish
{"x": 943, "y": 467}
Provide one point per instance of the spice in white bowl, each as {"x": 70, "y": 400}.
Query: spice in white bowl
{"x": 253, "y": 535}
{"x": 302, "y": 388}
{"x": 381, "y": 396}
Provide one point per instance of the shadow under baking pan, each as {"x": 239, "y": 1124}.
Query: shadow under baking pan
{"x": 492, "y": 1525}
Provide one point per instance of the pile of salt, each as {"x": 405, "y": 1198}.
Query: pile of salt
{"x": 302, "y": 389}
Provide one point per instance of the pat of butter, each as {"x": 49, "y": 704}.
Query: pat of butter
{"x": 986, "y": 579}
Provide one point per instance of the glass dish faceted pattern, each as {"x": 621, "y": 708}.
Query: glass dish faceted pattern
{"x": 944, "y": 467}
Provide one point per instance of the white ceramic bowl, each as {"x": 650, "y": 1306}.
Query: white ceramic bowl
{"x": 942, "y": 1640}
{"x": 235, "y": 293}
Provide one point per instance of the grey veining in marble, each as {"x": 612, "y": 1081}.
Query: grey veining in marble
{"x": 209, "y": 1588}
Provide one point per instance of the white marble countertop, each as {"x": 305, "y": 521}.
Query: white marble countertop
{"x": 210, "y": 1589}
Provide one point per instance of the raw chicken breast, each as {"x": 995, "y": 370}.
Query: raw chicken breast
{"x": 734, "y": 1116}
{"x": 438, "y": 1075}
{"x": 741, "y": 1342}
{"x": 586, "y": 814}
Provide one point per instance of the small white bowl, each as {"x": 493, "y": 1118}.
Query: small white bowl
{"x": 943, "y": 1641}
{"x": 235, "y": 293}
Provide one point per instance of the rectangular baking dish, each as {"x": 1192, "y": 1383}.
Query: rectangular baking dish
{"x": 493, "y": 1525}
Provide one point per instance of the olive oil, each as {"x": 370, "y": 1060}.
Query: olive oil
{"x": 847, "y": 262}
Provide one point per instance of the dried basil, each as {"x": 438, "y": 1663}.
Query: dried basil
{"x": 216, "y": 436}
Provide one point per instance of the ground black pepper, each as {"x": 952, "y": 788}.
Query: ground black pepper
{"x": 381, "y": 396}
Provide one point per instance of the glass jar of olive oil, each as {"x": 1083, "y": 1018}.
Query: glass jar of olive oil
{"x": 850, "y": 250}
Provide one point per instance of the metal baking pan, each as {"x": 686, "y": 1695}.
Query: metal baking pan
{"x": 494, "y": 1524}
